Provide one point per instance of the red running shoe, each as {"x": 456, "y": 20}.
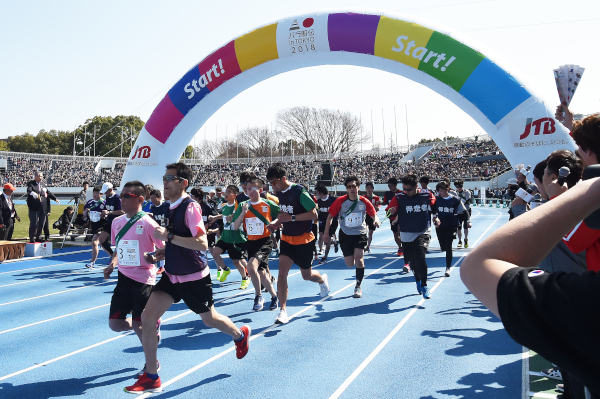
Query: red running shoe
{"x": 241, "y": 347}
{"x": 160, "y": 271}
{"x": 400, "y": 252}
{"x": 144, "y": 384}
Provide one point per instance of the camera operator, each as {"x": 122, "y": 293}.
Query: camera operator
{"x": 554, "y": 314}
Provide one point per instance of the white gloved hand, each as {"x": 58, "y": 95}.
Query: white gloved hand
{"x": 34, "y": 195}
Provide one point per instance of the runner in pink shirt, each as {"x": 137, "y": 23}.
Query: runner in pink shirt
{"x": 132, "y": 233}
{"x": 186, "y": 276}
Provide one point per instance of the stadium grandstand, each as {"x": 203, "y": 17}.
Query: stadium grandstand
{"x": 471, "y": 159}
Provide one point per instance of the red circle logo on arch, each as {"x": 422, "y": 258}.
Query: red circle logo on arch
{"x": 308, "y": 22}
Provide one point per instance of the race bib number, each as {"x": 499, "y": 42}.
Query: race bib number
{"x": 95, "y": 216}
{"x": 353, "y": 220}
{"x": 128, "y": 252}
{"x": 254, "y": 227}
{"x": 226, "y": 224}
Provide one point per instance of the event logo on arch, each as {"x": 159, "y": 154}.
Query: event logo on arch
{"x": 142, "y": 152}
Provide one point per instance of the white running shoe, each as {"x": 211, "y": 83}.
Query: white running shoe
{"x": 324, "y": 286}
{"x": 282, "y": 317}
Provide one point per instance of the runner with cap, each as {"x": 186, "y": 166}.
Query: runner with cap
{"x": 93, "y": 211}
{"x": 133, "y": 236}
{"x": 352, "y": 210}
{"x": 112, "y": 204}
{"x": 186, "y": 276}
{"x": 466, "y": 198}
{"x": 297, "y": 211}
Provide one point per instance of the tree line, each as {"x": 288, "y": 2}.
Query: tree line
{"x": 298, "y": 130}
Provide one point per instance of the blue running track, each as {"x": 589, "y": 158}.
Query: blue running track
{"x": 391, "y": 343}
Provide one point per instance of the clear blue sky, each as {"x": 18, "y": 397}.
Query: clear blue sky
{"x": 66, "y": 61}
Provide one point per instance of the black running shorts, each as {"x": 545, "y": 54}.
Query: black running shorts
{"x": 349, "y": 243}
{"x": 129, "y": 297}
{"x": 197, "y": 294}
{"x": 301, "y": 254}
{"x": 234, "y": 254}
{"x": 260, "y": 249}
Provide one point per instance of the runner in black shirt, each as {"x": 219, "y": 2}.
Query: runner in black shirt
{"x": 324, "y": 201}
{"x": 387, "y": 197}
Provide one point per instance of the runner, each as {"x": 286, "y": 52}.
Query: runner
{"x": 133, "y": 235}
{"x": 376, "y": 201}
{"x": 93, "y": 211}
{"x": 466, "y": 198}
{"x": 446, "y": 219}
{"x": 232, "y": 241}
{"x": 412, "y": 209}
{"x": 297, "y": 211}
{"x": 324, "y": 201}
{"x": 148, "y": 188}
{"x": 353, "y": 227}
{"x": 243, "y": 196}
{"x": 186, "y": 276}
{"x": 387, "y": 198}
{"x": 113, "y": 209}
{"x": 424, "y": 182}
{"x": 209, "y": 217}
{"x": 160, "y": 212}
{"x": 256, "y": 215}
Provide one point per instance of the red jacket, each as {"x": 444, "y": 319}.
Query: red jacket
{"x": 582, "y": 238}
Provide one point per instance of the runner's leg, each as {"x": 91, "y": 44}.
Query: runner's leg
{"x": 285, "y": 264}
{"x": 158, "y": 303}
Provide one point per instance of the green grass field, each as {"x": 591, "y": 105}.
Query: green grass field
{"x": 22, "y": 228}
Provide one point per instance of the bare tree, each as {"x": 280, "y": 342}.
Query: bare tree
{"x": 322, "y": 130}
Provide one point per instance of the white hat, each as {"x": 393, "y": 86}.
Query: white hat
{"x": 106, "y": 187}
{"x": 213, "y": 191}
{"x": 512, "y": 182}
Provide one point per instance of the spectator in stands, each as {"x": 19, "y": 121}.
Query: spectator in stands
{"x": 8, "y": 213}
{"x": 37, "y": 194}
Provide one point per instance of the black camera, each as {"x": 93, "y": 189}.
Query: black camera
{"x": 592, "y": 221}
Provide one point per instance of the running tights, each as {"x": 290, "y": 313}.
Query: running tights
{"x": 414, "y": 252}
{"x": 445, "y": 237}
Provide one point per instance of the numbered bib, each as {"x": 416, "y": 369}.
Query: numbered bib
{"x": 95, "y": 216}
{"x": 254, "y": 227}
{"x": 353, "y": 220}
{"x": 128, "y": 253}
{"x": 226, "y": 224}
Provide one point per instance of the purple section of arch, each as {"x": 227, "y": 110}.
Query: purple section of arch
{"x": 353, "y": 32}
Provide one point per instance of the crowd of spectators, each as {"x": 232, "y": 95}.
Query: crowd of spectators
{"x": 59, "y": 173}
{"x": 442, "y": 161}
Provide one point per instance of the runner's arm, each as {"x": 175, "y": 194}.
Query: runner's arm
{"x": 526, "y": 240}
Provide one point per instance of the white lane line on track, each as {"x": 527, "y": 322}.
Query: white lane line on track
{"x": 131, "y": 332}
{"x": 121, "y": 336}
{"x": 44, "y": 267}
{"x": 391, "y": 335}
{"x": 75, "y": 272}
{"x": 43, "y": 257}
{"x": 231, "y": 349}
{"x": 54, "y": 318}
{"x": 60, "y": 292}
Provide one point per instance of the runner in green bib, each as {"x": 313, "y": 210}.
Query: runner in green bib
{"x": 231, "y": 241}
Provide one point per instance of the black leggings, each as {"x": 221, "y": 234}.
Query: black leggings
{"x": 414, "y": 252}
{"x": 445, "y": 237}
